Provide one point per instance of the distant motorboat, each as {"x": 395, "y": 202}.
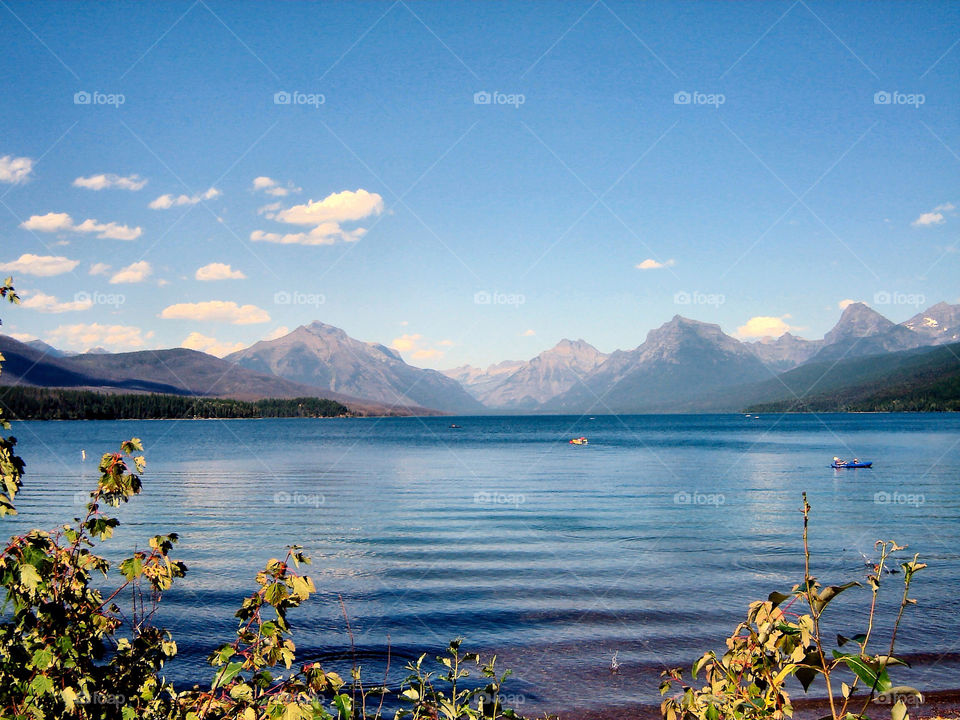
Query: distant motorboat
{"x": 580, "y": 441}
{"x": 839, "y": 464}
{"x": 454, "y": 426}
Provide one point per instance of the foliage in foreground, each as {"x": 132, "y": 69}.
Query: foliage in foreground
{"x": 749, "y": 681}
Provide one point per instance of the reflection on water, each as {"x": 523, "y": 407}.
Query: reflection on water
{"x": 648, "y": 543}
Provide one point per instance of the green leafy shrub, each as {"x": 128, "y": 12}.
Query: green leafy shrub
{"x": 748, "y": 682}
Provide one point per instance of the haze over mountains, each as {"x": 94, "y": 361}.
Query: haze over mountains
{"x": 683, "y": 366}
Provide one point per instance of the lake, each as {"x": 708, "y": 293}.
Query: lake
{"x": 648, "y": 543}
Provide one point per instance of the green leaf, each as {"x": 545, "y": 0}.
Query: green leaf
{"x": 898, "y": 711}
{"x": 867, "y": 670}
{"x": 228, "y": 674}
{"x": 829, "y": 593}
{"x": 778, "y": 597}
{"x": 29, "y": 576}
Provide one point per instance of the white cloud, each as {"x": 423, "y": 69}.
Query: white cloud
{"x": 41, "y": 302}
{"x": 651, "y": 264}
{"x": 40, "y": 265}
{"x": 529, "y": 333}
{"x": 764, "y": 326}
{"x": 212, "y": 346}
{"x": 109, "y": 180}
{"x": 112, "y": 337}
{"x": 326, "y": 217}
{"x": 165, "y": 202}
{"x": 406, "y": 342}
{"x": 218, "y": 271}
{"x": 844, "y": 304}
{"x": 62, "y": 222}
{"x": 413, "y": 343}
{"x": 325, "y": 234}
{"x": 216, "y": 311}
{"x": 935, "y": 216}
{"x": 99, "y": 269}
{"x": 133, "y": 273}
{"x": 274, "y": 188}
{"x": 277, "y": 333}
{"x": 23, "y": 337}
{"x": 15, "y": 170}
{"x": 928, "y": 218}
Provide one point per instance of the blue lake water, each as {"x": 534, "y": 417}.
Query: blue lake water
{"x": 649, "y": 542}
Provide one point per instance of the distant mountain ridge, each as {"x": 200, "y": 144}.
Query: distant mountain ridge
{"x": 326, "y": 357}
{"x": 683, "y": 366}
{"x": 526, "y": 385}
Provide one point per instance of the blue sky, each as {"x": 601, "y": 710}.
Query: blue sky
{"x": 395, "y": 203}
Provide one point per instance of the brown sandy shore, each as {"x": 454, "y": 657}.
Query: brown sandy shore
{"x": 943, "y": 704}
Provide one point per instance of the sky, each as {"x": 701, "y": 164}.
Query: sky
{"x": 472, "y": 182}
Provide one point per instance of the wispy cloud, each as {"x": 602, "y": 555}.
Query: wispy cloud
{"x": 216, "y": 311}
{"x": 651, "y": 264}
{"x": 273, "y": 187}
{"x": 62, "y": 222}
{"x": 165, "y": 202}
{"x": 112, "y": 337}
{"x": 109, "y": 180}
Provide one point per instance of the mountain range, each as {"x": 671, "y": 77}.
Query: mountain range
{"x": 683, "y": 366}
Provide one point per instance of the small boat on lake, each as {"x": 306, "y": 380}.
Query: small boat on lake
{"x": 580, "y": 441}
{"x": 839, "y": 464}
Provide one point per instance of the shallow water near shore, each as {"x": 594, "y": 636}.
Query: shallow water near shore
{"x": 648, "y": 543}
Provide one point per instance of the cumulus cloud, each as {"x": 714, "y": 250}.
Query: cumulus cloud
{"x": 99, "y": 269}
{"x": 23, "y": 337}
{"x": 326, "y": 216}
{"x": 216, "y": 311}
{"x": 418, "y": 349}
{"x": 165, "y": 202}
{"x": 651, "y": 264}
{"x": 277, "y": 333}
{"x": 218, "y": 271}
{"x": 935, "y": 216}
{"x": 41, "y": 302}
{"x": 406, "y": 342}
{"x": 847, "y": 302}
{"x": 109, "y": 180}
{"x": 40, "y": 265}
{"x": 209, "y": 345}
{"x": 764, "y": 326}
{"x": 62, "y": 222}
{"x": 112, "y": 337}
{"x": 15, "y": 170}
{"x": 274, "y": 188}
{"x": 133, "y": 273}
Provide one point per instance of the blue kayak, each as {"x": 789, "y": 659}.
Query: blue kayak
{"x": 843, "y": 465}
